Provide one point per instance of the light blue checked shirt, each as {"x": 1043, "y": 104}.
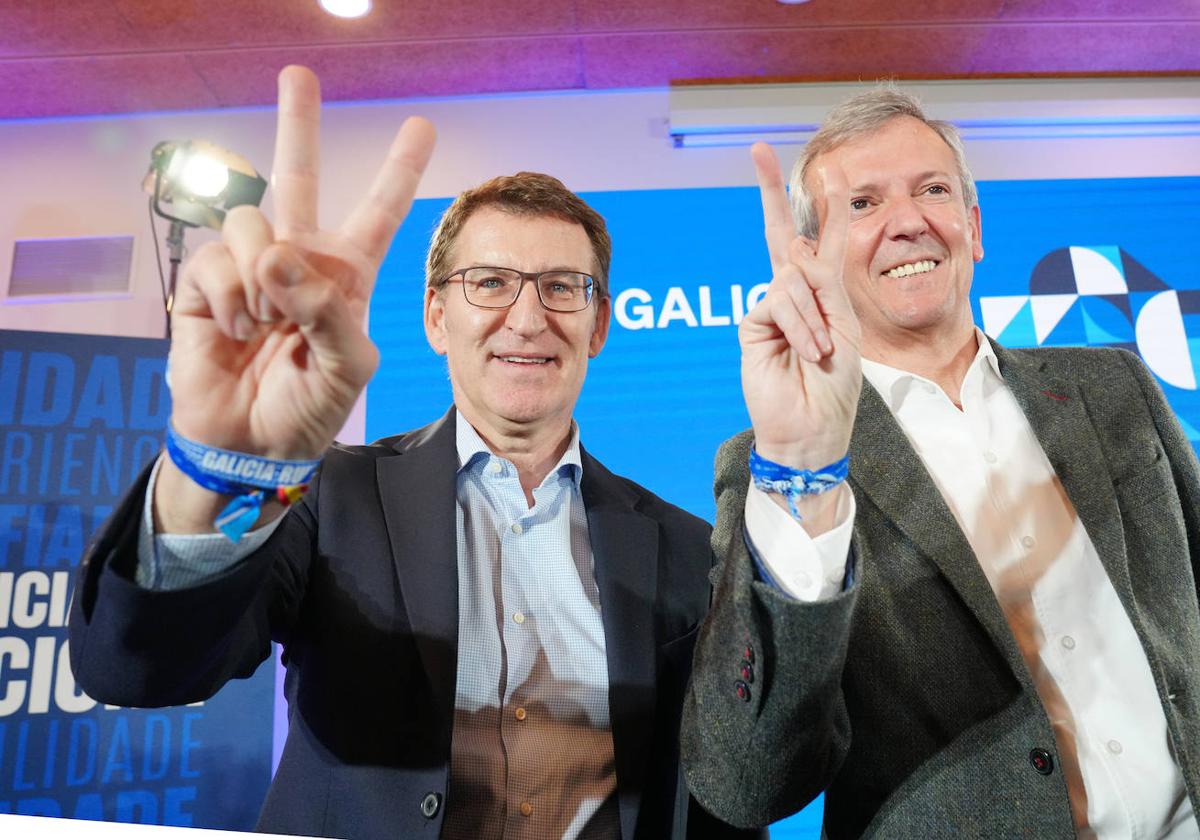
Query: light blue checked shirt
{"x": 532, "y": 750}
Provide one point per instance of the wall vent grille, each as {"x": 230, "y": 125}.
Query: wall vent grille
{"x": 70, "y": 268}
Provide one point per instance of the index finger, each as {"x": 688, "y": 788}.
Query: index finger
{"x": 835, "y": 226}
{"x": 374, "y": 221}
{"x": 777, "y": 214}
{"x": 295, "y": 170}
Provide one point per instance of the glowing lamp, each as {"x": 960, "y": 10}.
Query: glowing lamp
{"x": 346, "y": 8}
{"x": 194, "y": 182}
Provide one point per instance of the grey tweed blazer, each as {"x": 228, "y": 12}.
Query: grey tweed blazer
{"x": 905, "y": 697}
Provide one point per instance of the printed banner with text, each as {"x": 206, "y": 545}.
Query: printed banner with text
{"x": 79, "y": 418}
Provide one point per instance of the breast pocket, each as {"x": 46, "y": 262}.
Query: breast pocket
{"x": 1145, "y": 483}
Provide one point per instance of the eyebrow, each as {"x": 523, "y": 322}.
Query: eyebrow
{"x": 928, "y": 175}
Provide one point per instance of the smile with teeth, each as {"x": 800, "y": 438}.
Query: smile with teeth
{"x": 524, "y": 360}
{"x": 918, "y": 267}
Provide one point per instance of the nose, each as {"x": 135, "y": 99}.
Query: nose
{"x": 526, "y": 316}
{"x": 905, "y": 219}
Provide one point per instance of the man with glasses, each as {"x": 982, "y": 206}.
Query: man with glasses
{"x": 487, "y": 634}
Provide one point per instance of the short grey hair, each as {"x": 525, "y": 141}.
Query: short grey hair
{"x": 862, "y": 114}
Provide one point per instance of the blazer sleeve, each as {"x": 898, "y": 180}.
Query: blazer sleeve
{"x": 754, "y": 758}
{"x": 132, "y": 646}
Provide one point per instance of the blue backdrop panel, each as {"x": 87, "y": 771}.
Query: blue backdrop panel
{"x": 79, "y": 417}
{"x": 1098, "y": 262}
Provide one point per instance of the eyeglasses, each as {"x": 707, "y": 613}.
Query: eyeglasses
{"x": 489, "y": 287}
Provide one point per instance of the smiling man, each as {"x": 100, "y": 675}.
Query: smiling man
{"x": 958, "y": 598}
{"x": 486, "y": 633}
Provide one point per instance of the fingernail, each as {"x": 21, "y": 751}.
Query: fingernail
{"x": 266, "y": 310}
{"x": 824, "y": 342}
{"x": 813, "y": 354}
{"x": 243, "y": 326}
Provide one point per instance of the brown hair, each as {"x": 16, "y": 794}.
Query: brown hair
{"x": 525, "y": 194}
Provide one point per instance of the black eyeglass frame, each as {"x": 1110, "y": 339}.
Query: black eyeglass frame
{"x": 526, "y": 277}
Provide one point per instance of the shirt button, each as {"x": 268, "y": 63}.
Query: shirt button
{"x": 989, "y": 456}
{"x": 519, "y": 617}
{"x": 494, "y": 467}
{"x": 1115, "y": 747}
{"x": 930, "y": 388}
{"x": 526, "y": 809}
{"x": 1028, "y": 541}
{"x": 1068, "y": 643}
{"x": 519, "y": 714}
{"x": 516, "y": 528}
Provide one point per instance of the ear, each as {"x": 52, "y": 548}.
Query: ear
{"x": 976, "y": 234}
{"x": 435, "y": 320}
{"x": 600, "y": 329}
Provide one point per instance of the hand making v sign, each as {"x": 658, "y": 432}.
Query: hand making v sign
{"x": 801, "y": 363}
{"x": 268, "y": 352}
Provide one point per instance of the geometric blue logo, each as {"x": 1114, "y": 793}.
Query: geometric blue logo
{"x": 1101, "y": 296}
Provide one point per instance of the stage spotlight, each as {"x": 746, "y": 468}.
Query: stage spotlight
{"x": 193, "y": 183}
{"x": 200, "y": 182}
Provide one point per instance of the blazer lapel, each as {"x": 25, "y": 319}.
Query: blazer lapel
{"x": 417, "y": 492}
{"x": 885, "y": 468}
{"x": 1057, "y": 412}
{"x": 625, "y": 555}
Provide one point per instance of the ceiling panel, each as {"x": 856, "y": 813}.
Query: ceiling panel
{"x": 101, "y": 85}
{"x": 110, "y": 56}
{"x": 387, "y": 71}
{"x": 754, "y": 14}
{"x": 60, "y": 27}
{"x": 1084, "y": 10}
{"x": 262, "y": 23}
{"x": 635, "y": 59}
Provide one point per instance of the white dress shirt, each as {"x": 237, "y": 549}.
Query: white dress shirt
{"x": 1077, "y": 640}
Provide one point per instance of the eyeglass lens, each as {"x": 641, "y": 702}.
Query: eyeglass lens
{"x": 563, "y": 291}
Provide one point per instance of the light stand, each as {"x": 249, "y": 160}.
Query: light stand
{"x": 199, "y": 182}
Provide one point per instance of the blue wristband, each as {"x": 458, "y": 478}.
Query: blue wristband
{"x": 248, "y": 478}
{"x": 771, "y": 477}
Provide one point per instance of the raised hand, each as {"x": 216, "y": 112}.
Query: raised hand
{"x": 801, "y": 363}
{"x": 268, "y": 352}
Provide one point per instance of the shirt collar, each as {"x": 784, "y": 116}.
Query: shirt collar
{"x": 893, "y": 384}
{"x": 472, "y": 451}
